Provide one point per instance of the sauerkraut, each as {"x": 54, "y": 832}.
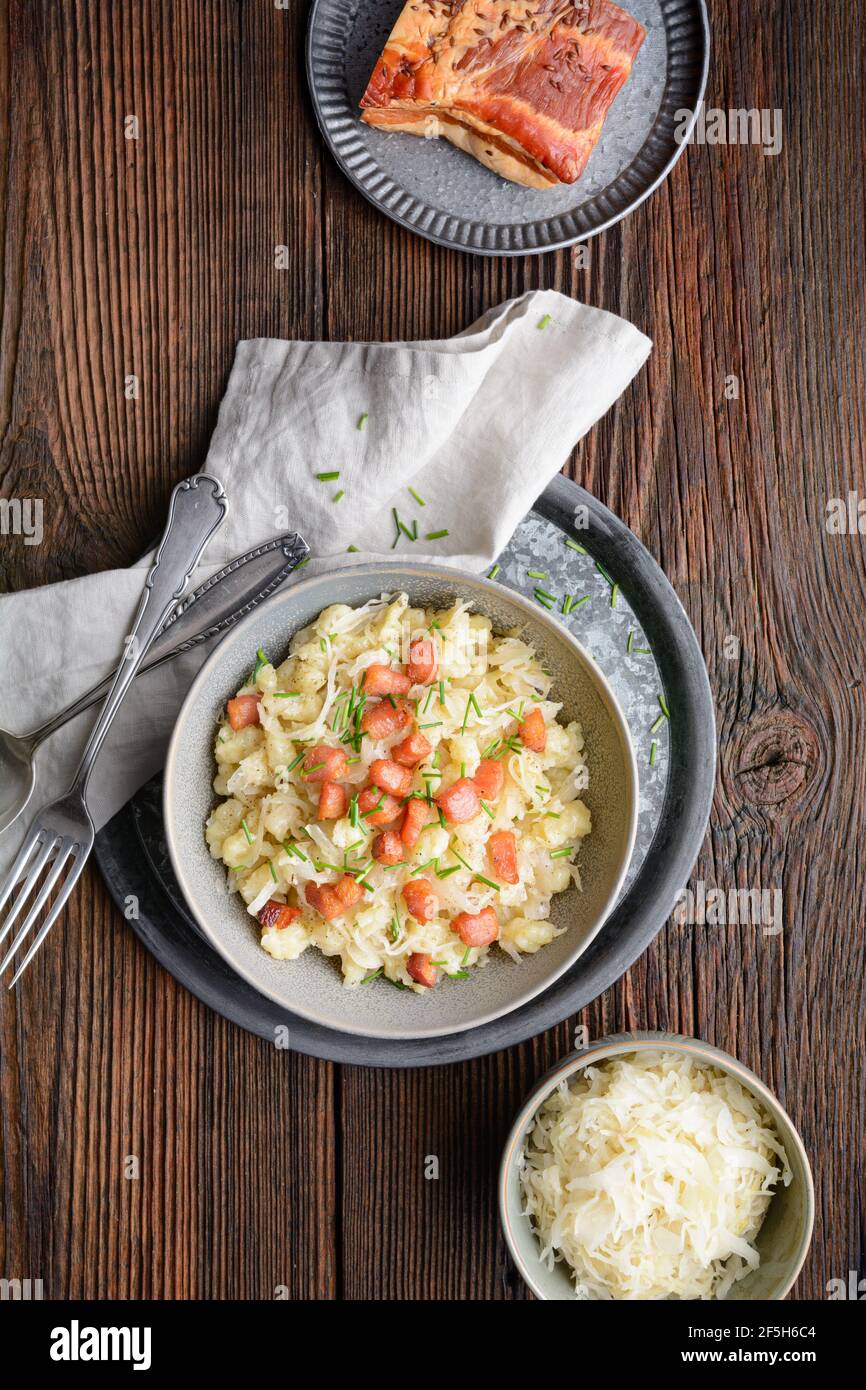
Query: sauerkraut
{"x": 276, "y": 847}
{"x": 651, "y": 1174}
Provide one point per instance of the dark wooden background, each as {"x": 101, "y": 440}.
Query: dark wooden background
{"x": 260, "y": 1169}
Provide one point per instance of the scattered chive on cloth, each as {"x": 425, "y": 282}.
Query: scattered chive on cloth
{"x": 370, "y": 450}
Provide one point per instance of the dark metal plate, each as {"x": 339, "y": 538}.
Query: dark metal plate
{"x": 447, "y": 196}
{"x": 676, "y": 796}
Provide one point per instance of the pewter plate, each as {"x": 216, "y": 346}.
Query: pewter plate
{"x": 675, "y": 797}
{"x": 447, "y": 196}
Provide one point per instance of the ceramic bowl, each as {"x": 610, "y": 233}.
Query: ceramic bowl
{"x": 784, "y": 1237}
{"x": 311, "y": 985}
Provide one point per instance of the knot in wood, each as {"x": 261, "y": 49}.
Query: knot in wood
{"x": 777, "y": 759}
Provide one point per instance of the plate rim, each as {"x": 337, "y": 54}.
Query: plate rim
{"x": 702, "y": 16}
{"x": 643, "y": 911}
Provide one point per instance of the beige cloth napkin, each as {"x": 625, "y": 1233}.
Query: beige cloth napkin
{"x": 476, "y": 424}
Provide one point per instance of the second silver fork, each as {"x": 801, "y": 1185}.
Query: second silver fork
{"x": 61, "y": 835}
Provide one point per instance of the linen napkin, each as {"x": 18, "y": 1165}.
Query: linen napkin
{"x": 477, "y": 425}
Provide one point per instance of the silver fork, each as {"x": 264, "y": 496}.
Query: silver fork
{"x": 62, "y": 834}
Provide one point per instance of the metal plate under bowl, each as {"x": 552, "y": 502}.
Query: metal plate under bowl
{"x": 663, "y": 658}
{"x": 447, "y": 196}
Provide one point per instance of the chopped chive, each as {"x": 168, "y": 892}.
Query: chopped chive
{"x": 475, "y": 704}
{"x": 317, "y": 767}
{"x": 446, "y": 873}
{"x": 658, "y": 723}
{"x": 613, "y": 593}
{"x": 261, "y": 660}
{"x": 427, "y": 701}
{"x": 643, "y": 651}
{"x": 536, "y": 574}
{"x": 542, "y": 593}
{"x": 294, "y": 850}
{"x": 466, "y": 715}
{"x": 273, "y": 871}
{"x": 373, "y": 809}
{"x": 287, "y": 694}
{"x": 407, "y": 533}
{"x": 487, "y": 811}
{"x": 328, "y": 477}
{"x": 442, "y": 821}
{"x": 435, "y": 626}
{"x": 338, "y": 496}
{"x": 540, "y": 598}
{"x": 580, "y": 602}
{"x": 490, "y": 749}
{"x": 432, "y": 724}
{"x": 630, "y": 642}
{"x": 562, "y": 853}
{"x": 458, "y": 855}
{"x": 573, "y": 545}
{"x": 246, "y": 829}
{"x": 419, "y": 500}
{"x": 488, "y": 882}
{"x": 374, "y": 976}
{"x": 552, "y": 815}
{"x": 397, "y": 524}
{"x": 491, "y": 574}
{"x": 653, "y": 751}
{"x": 457, "y": 974}
{"x": 352, "y": 549}
{"x": 362, "y": 420}
{"x": 566, "y": 605}
{"x": 543, "y": 321}
{"x": 664, "y": 707}
{"x": 303, "y": 562}
{"x": 466, "y": 953}
{"x": 436, "y": 535}
{"x": 322, "y": 645}
{"x": 603, "y": 572}
{"x": 394, "y": 927}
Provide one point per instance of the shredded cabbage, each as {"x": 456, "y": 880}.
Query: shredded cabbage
{"x": 651, "y": 1176}
{"x": 264, "y": 828}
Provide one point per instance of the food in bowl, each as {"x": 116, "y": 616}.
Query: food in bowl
{"x": 525, "y": 91}
{"x": 399, "y": 792}
{"x": 650, "y": 1175}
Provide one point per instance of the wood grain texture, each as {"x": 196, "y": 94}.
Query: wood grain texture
{"x": 258, "y": 1171}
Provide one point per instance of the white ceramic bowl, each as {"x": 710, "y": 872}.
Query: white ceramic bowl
{"x": 784, "y": 1237}
{"x": 311, "y": 986}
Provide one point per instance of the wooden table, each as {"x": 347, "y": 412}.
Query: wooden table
{"x": 150, "y": 257}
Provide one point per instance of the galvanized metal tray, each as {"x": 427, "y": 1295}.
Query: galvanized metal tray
{"x": 642, "y": 640}
{"x": 447, "y": 196}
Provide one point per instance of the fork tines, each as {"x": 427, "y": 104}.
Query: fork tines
{"x": 40, "y": 848}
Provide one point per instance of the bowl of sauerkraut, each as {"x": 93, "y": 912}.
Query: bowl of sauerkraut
{"x": 655, "y": 1167}
{"x": 400, "y": 801}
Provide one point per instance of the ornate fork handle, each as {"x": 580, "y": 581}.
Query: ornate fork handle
{"x": 198, "y": 507}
